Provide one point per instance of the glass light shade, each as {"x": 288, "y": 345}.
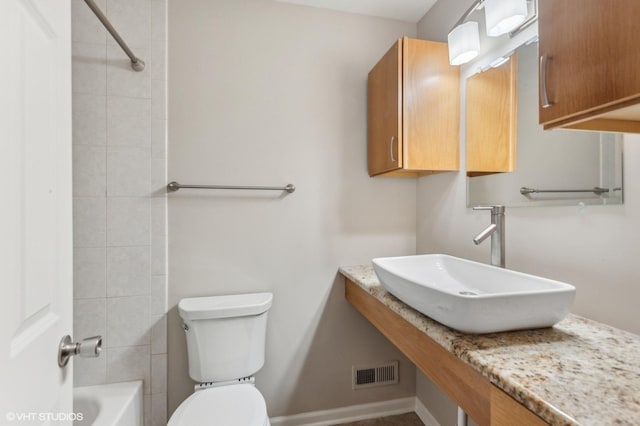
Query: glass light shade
{"x": 464, "y": 43}
{"x": 504, "y": 15}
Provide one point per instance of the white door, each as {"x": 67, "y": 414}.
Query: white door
{"x": 35, "y": 210}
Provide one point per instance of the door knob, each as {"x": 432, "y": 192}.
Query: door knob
{"x": 87, "y": 348}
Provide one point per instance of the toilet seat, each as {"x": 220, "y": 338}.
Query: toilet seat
{"x": 232, "y": 405}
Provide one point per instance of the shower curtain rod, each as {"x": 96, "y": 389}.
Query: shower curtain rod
{"x": 136, "y": 63}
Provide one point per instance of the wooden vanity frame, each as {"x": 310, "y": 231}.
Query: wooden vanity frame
{"x": 484, "y": 402}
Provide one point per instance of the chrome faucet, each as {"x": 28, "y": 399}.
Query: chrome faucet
{"x": 496, "y": 231}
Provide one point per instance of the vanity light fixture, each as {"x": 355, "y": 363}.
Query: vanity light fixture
{"x": 502, "y": 16}
{"x": 464, "y": 43}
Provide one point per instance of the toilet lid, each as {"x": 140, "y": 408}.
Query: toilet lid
{"x": 241, "y": 405}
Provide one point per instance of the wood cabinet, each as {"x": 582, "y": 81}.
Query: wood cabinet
{"x": 589, "y": 62}
{"x": 413, "y": 103}
{"x": 491, "y": 119}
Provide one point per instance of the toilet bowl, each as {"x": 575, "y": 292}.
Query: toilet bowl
{"x": 232, "y": 405}
{"x": 225, "y": 338}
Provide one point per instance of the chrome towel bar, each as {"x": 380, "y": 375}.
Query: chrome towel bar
{"x": 174, "y": 186}
{"x": 136, "y": 63}
{"x": 596, "y": 190}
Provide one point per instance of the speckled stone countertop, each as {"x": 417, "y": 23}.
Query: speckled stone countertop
{"x": 579, "y": 372}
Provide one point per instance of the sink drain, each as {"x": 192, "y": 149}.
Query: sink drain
{"x": 467, "y": 293}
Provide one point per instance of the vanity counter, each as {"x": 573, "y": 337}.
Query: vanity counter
{"x": 579, "y": 372}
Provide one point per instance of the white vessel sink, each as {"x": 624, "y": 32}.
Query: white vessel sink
{"x": 473, "y": 297}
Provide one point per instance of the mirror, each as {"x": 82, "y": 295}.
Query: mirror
{"x": 553, "y": 167}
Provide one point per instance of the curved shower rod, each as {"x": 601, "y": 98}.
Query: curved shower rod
{"x": 136, "y": 63}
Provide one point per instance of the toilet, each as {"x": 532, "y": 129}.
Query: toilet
{"x": 225, "y": 347}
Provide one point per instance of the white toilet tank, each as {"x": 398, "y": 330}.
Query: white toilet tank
{"x": 225, "y": 335}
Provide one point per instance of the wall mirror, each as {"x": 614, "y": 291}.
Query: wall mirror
{"x": 557, "y": 167}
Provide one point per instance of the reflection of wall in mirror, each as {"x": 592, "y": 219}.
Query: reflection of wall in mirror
{"x": 558, "y": 159}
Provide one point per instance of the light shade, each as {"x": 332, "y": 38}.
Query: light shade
{"x": 504, "y": 15}
{"x": 464, "y": 43}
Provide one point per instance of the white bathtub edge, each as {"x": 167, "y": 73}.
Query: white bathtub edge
{"x": 121, "y": 404}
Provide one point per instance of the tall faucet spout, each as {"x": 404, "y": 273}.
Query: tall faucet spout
{"x": 496, "y": 232}
{"x": 485, "y": 234}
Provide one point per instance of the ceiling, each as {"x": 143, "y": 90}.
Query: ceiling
{"x": 403, "y": 10}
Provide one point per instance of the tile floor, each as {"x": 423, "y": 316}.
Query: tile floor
{"x": 409, "y": 419}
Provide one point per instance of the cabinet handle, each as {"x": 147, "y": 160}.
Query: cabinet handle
{"x": 393, "y": 159}
{"x": 546, "y": 103}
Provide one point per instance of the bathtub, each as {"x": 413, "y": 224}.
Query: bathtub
{"x": 116, "y": 404}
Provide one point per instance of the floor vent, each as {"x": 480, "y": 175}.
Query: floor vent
{"x": 366, "y": 376}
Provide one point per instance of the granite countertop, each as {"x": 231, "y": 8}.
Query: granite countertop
{"x": 579, "y": 372}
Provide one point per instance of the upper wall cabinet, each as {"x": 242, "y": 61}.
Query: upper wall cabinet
{"x": 413, "y": 106}
{"x": 589, "y": 62}
{"x": 491, "y": 118}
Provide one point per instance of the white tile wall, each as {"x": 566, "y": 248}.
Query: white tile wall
{"x": 90, "y": 318}
{"x": 158, "y": 177}
{"x": 132, "y": 18}
{"x": 158, "y": 21}
{"x": 159, "y": 409}
{"x": 128, "y": 322}
{"x": 89, "y": 272}
{"x": 158, "y": 256}
{"x": 128, "y": 271}
{"x": 88, "y": 68}
{"x": 158, "y": 216}
{"x": 86, "y": 27}
{"x": 159, "y": 373}
{"x": 90, "y": 168}
{"x": 128, "y": 221}
{"x": 89, "y": 221}
{"x": 158, "y": 139}
{"x": 121, "y": 81}
{"x": 158, "y": 101}
{"x": 89, "y": 119}
{"x": 129, "y": 171}
{"x": 129, "y": 121}
{"x": 119, "y": 171}
{"x": 158, "y": 301}
{"x": 159, "y": 334}
{"x": 90, "y": 371}
{"x": 158, "y": 60}
{"x": 129, "y": 363}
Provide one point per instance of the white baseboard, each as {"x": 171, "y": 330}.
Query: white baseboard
{"x": 358, "y": 412}
{"x": 425, "y": 415}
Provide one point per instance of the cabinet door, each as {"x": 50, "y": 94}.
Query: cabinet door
{"x": 431, "y": 101}
{"x": 589, "y": 53}
{"x": 384, "y": 113}
{"x": 492, "y": 119}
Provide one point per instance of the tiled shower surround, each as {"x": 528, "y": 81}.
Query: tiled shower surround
{"x": 119, "y": 178}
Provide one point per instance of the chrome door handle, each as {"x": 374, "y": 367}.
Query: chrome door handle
{"x": 88, "y": 348}
{"x": 544, "y": 97}
{"x": 393, "y": 159}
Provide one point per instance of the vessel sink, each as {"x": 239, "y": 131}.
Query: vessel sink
{"x": 474, "y": 297}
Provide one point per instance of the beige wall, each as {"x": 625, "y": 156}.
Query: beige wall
{"x": 267, "y": 93}
{"x": 595, "y": 249}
